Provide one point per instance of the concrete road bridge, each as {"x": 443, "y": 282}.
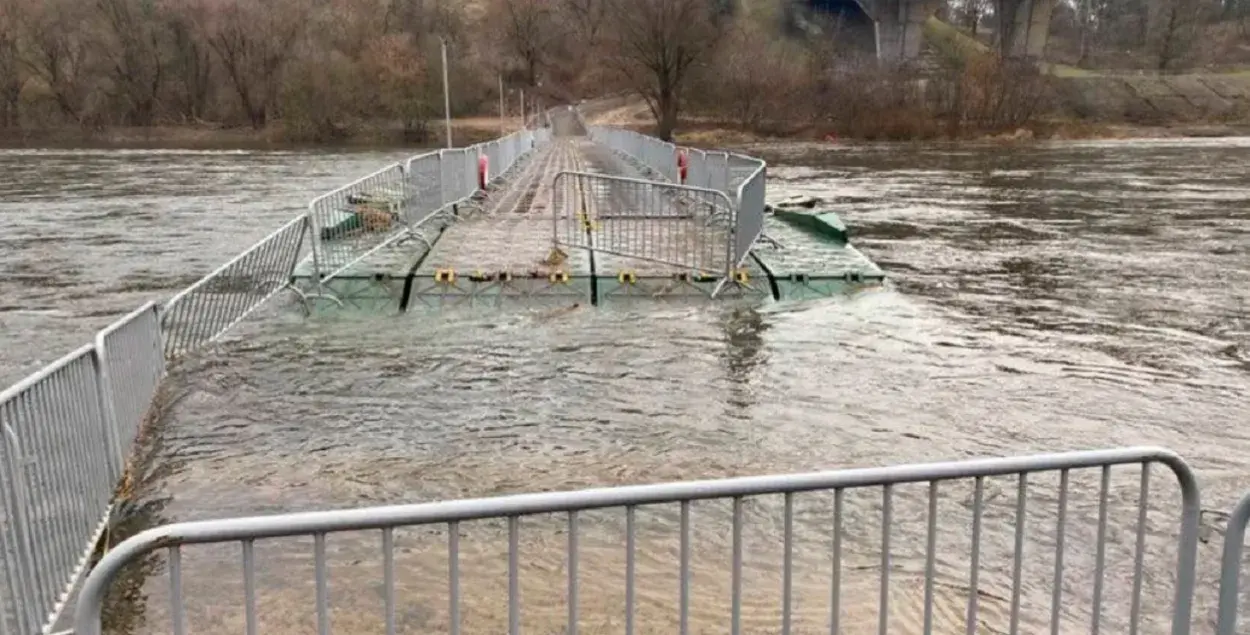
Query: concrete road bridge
{"x": 894, "y": 29}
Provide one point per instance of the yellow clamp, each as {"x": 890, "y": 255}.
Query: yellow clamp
{"x": 446, "y": 276}
{"x": 627, "y": 277}
{"x": 559, "y": 277}
{"x": 478, "y": 276}
{"x": 585, "y": 220}
{"x": 741, "y": 276}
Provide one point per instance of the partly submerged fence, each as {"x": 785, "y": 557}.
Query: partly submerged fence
{"x": 1050, "y": 543}
{"x": 646, "y": 220}
{"x": 66, "y": 432}
{"x": 740, "y": 177}
{"x": 362, "y": 217}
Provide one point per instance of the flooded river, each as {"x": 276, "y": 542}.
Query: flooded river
{"x": 1050, "y": 297}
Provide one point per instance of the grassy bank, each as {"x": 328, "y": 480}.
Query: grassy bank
{"x": 701, "y": 132}
{"x": 712, "y": 135}
{"x": 465, "y": 131}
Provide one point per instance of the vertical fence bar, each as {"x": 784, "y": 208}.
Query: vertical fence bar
{"x": 1230, "y": 568}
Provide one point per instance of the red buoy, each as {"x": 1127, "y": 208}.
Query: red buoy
{"x": 483, "y": 171}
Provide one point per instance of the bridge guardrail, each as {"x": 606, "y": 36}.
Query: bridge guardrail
{"x": 65, "y": 435}
{"x": 57, "y": 485}
{"x": 217, "y": 302}
{"x": 742, "y": 178}
{"x": 67, "y": 430}
{"x": 356, "y": 219}
{"x": 132, "y": 366}
{"x": 1230, "y": 568}
{"x": 657, "y": 157}
{"x": 884, "y": 522}
{"x": 748, "y": 221}
{"x": 647, "y": 220}
{"x": 709, "y": 169}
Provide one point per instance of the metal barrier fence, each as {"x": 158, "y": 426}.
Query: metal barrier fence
{"x": 740, "y": 177}
{"x": 132, "y": 364}
{"x": 646, "y": 220}
{"x": 709, "y": 169}
{"x": 359, "y": 218}
{"x": 749, "y": 219}
{"x": 989, "y": 545}
{"x": 204, "y": 311}
{"x": 1230, "y": 568}
{"x": 65, "y": 433}
{"x": 352, "y": 221}
{"x": 659, "y": 157}
{"x": 994, "y": 545}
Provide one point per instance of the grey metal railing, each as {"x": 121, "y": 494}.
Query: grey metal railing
{"x": 709, "y": 169}
{"x": 217, "y": 302}
{"x": 356, "y": 219}
{"x": 977, "y": 555}
{"x": 65, "y": 435}
{"x": 66, "y": 432}
{"x": 645, "y": 220}
{"x": 740, "y": 177}
{"x": 364, "y": 216}
{"x": 658, "y": 158}
{"x": 748, "y": 224}
{"x": 1230, "y": 568}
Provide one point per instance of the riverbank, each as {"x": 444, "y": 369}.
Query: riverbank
{"x": 465, "y": 131}
{"x": 1063, "y": 122}
{"x": 712, "y": 136}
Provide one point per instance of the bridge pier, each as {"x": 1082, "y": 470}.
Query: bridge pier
{"x": 1029, "y": 28}
{"x": 899, "y": 26}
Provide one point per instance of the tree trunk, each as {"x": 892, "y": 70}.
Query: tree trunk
{"x": 667, "y": 121}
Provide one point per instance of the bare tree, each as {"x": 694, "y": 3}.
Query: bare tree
{"x": 396, "y": 62}
{"x": 527, "y": 32}
{"x": 1175, "y": 32}
{"x": 654, "y": 44}
{"x": 587, "y": 18}
{"x": 134, "y": 53}
{"x": 10, "y": 66}
{"x": 253, "y": 39}
{"x": 56, "y": 52}
{"x": 190, "y": 62}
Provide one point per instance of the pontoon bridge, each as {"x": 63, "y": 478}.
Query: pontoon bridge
{"x": 1060, "y": 543}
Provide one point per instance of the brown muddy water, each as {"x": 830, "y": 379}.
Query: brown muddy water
{"x": 1049, "y": 297}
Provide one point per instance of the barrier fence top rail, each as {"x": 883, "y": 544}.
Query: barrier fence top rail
{"x": 512, "y": 508}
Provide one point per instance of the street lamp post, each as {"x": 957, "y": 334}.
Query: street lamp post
{"x": 446, "y": 92}
{"x": 502, "y": 129}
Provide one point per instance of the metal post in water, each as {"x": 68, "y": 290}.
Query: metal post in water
{"x": 446, "y": 92}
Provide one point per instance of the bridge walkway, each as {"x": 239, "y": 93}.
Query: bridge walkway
{"x": 501, "y": 247}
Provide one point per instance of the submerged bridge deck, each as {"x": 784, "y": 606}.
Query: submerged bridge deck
{"x": 577, "y": 222}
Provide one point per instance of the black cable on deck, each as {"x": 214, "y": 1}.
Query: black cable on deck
{"x": 772, "y": 280}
